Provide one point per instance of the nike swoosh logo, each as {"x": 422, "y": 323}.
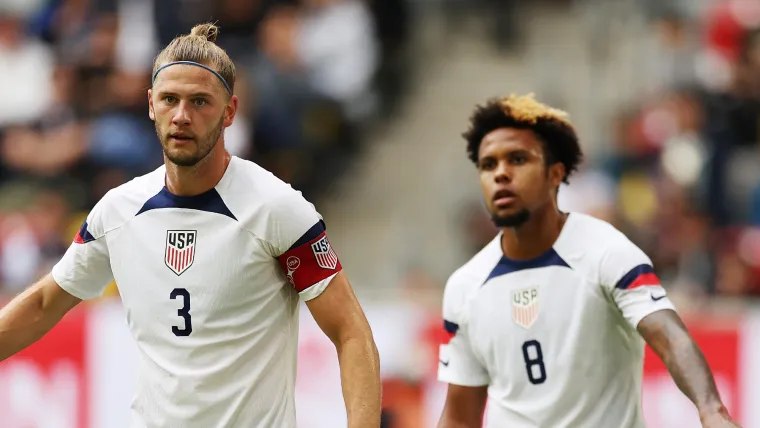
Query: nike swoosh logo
{"x": 654, "y": 299}
{"x": 445, "y": 363}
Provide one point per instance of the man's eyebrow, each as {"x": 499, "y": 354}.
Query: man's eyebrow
{"x": 193, "y": 95}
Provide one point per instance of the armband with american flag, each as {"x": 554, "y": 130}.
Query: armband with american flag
{"x": 310, "y": 260}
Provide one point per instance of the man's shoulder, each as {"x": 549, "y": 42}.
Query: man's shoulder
{"x": 594, "y": 228}
{"x": 264, "y": 204}
{"x": 124, "y": 201}
{"x": 250, "y": 177}
{"x": 591, "y": 237}
{"x": 253, "y": 188}
{"x": 599, "y": 248}
{"x": 473, "y": 273}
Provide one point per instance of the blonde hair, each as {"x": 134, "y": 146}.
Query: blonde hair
{"x": 199, "y": 46}
{"x": 528, "y": 110}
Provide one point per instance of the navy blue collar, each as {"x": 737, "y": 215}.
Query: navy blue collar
{"x": 209, "y": 201}
{"x": 506, "y": 265}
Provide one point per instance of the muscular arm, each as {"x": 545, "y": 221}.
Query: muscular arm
{"x": 31, "y": 314}
{"x": 464, "y": 407}
{"x": 338, "y": 314}
{"x": 668, "y": 337}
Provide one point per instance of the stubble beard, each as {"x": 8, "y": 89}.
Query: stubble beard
{"x": 512, "y": 220}
{"x": 204, "y": 146}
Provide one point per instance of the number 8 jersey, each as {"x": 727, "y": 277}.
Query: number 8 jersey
{"x": 554, "y": 338}
{"x": 211, "y": 286}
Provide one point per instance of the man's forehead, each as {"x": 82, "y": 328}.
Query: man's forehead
{"x": 510, "y": 139}
{"x": 186, "y": 78}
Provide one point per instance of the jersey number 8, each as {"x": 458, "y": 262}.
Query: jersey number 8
{"x": 534, "y": 362}
{"x": 184, "y": 312}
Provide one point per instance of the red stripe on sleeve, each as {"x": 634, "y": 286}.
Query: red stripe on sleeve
{"x": 447, "y": 336}
{"x": 643, "y": 280}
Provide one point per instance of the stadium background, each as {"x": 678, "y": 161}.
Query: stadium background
{"x": 360, "y": 105}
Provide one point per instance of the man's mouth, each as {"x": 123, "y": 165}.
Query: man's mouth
{"x": 180, "y": 136}
{"x": 504, "y": 197}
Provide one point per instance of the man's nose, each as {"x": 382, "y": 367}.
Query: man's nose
{"x": 503, "y": 172}
{"x": 181, "y": 114}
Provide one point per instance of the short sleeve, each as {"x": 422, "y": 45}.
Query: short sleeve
{"x": 84, "y": 271}
{"x": 298, "y": 236}
{"x": 457, "y": 363}
{"x": 629, "y": 276}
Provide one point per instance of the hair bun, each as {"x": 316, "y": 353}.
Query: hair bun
{"x": 207, "y": 31}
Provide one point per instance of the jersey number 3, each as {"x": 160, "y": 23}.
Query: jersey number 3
{"x": 184, "y": 312}
{"x": 534, "y": 362}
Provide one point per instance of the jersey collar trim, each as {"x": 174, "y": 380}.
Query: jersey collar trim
{"x": 506, "y": 266}
{"x": 209, "y": 201}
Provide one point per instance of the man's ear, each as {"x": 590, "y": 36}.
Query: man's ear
{"x": 151, "y": 113}
{"x": 230, "y": 110}
{"x": 557, "y": 173}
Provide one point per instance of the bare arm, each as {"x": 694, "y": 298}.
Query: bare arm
{"x": 464, "y": 407}
{"x": 668, "y": 337}
{"x": 32, "y": 314}
{"x": 338, "y": 314}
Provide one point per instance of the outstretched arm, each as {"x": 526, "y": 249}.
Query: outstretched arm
{"x": 338, "y": 314}
{"x": 668, "y": 337}
{"x": 31, "y": 314}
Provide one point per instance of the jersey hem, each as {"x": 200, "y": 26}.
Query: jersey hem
{"x": 315, "y": 290}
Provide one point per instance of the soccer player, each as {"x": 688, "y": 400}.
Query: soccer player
{"x": 211, "y": 255}
{"x": 547, "y": 320}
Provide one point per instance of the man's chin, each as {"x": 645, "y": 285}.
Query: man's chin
{"x": 510, "y": 219}
{"x": 182, "y": 159}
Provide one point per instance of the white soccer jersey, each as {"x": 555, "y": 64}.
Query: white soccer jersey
{"x": 210, "y": 285}
{"x": 554, "y": 338}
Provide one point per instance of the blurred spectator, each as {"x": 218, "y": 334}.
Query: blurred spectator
{"x": 26, "y": 67}
{"x": 312, "y": 80}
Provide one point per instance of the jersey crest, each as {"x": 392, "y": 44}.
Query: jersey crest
{"x": 180, "y": 250}
{"x": 323, "y": 252}
{"x": 525, "y": 306}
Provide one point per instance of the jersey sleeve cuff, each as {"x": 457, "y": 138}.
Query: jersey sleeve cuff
{"x": 67, "y": 286}
{"x": 662, "y": 305}
{"x": 316, "y": 289}
{"x": 446, "y": 376}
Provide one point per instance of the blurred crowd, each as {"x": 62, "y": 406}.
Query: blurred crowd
{"x": 681, "y": 175}
{"x": 73, "y": 122}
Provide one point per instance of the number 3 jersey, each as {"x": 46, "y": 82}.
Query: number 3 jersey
{"x": 210, "y": 285}
{"x": 554, "y": 338}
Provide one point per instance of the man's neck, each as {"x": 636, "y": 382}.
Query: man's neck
{"x": 199, "y": 178}
{"x": 535, "y": 236}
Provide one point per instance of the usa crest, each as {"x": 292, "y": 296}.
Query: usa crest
{"x": 525, "y": 306}
{"x": 180, "y": 250}
{"x": 323, "y": 252}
